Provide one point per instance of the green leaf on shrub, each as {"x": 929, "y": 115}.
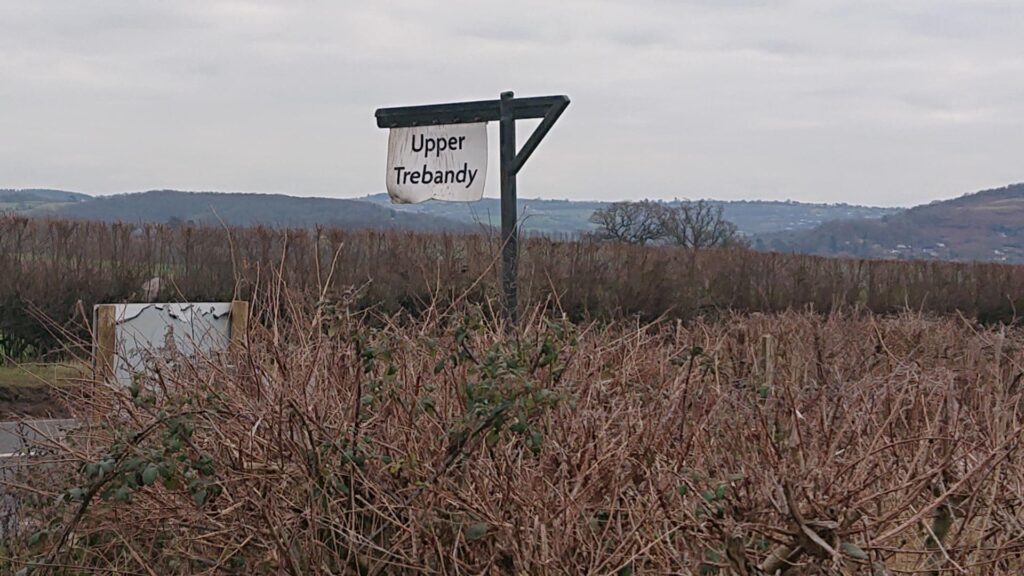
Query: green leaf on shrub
{"x": 107, "y": 465}
{"x": 492, "y": 438}
{"x": 200, "y": 497}
{"x": 122, "y": 494}
{"x": 150, "y": 474}
{"x": 204, "y": 465}
{"x": 427, "y": 405}
{"x": 476, "y": 531}
{"x": 536, "y": 440}
{"x": 853, "y": 551}
{"x": 720, "y": 491}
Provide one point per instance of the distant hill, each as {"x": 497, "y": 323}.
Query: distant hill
{"x": 376, "y": 211}
{"x": 987, "y": 225}
{"x": 572, "y": 217}
{"x": 170, "y": 206}
{"x": 24, "y": 200}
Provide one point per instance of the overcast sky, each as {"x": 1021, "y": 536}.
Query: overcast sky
{"x": 893, "y": 102}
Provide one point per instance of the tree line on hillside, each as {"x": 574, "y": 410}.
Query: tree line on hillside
{"x": 243, "y": 209}
{"x": 59, "y": 269}
{"x": 684, "y": 223}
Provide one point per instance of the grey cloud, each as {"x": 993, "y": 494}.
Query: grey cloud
{"x": 828, "y": 100}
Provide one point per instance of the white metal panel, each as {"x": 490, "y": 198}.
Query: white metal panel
{"x": 146, "y": 333}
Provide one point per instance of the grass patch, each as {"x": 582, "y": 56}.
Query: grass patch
{"x": 39, "y": 375}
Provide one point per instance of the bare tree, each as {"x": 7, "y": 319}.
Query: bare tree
{"x": 688, "y": 224}
{"x": 631, "y": 222}
{"x": 698, "y": 225}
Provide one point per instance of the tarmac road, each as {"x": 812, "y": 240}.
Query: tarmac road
{"x": 16, "y": 439}
{"x": 16, "y": 436}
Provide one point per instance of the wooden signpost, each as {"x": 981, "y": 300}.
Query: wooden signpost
{"x": 450, "y": 156}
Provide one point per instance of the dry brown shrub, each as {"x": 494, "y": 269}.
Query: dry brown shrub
{"x": 58, "y": 268}
{"x": 339, "y": 442}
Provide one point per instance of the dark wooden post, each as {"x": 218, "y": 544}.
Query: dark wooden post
{"x": 506, "y": 110}
{"x": 509, "y": 211}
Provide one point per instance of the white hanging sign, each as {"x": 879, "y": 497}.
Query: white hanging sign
{"x": 446, "y": 162}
